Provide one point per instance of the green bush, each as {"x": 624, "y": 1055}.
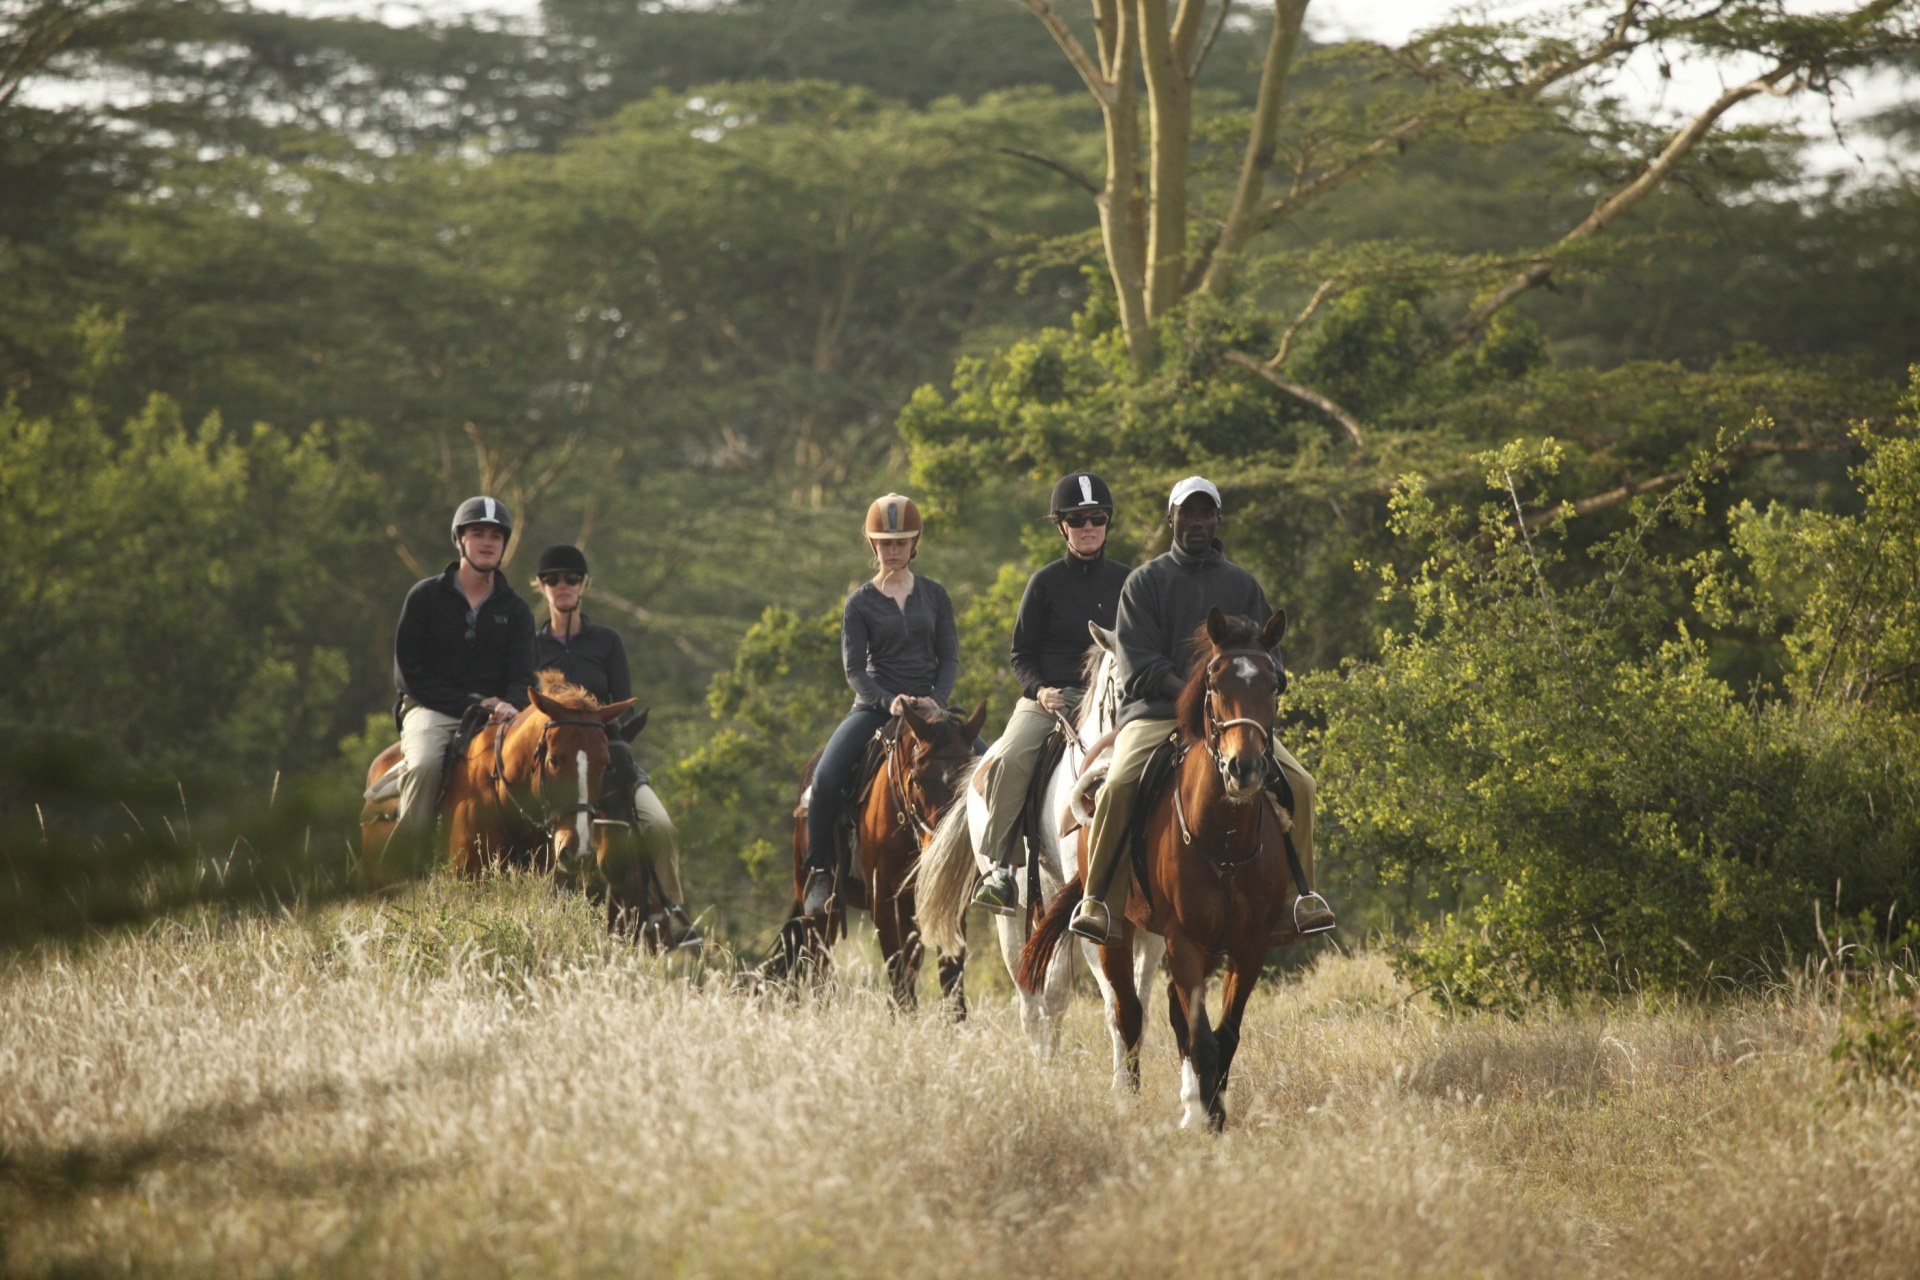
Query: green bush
{"x": 1556, "y": 746}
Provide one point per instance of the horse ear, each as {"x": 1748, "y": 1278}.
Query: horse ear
{"x": 916, "y": 724}
{"x": 631, "y": 729}
{"x": 1104, "y": 638}
{"x": 553, "y": 709}
{"x": 1275, "y": 628}
{"x": 971, "y": 729}
{"x": 1216, "y": 626}
{"x": 609, "y": 714}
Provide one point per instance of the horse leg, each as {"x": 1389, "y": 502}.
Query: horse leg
{"x": 899, "y": 940}
{"x": 1200, "y": 1065}
{"x": 1243, "y": 970}
{"x": 953, "y": 984}
{"x": 1124, "y": 1014}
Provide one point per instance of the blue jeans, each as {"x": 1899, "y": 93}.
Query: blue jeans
{"x": 831, "y": 778}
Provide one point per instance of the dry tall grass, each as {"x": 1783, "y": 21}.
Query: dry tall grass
{"x": 474, "y": 1082}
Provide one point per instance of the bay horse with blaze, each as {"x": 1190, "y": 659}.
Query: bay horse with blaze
{"x": 1215, "y": 885}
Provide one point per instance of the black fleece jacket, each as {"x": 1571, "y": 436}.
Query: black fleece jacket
{"x": 444, "y": 663}
{"x": 1050, "y": 634}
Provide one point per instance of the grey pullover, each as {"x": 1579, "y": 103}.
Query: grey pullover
{"x": 888, "y": 650}
{"x": 1162, "y": 604}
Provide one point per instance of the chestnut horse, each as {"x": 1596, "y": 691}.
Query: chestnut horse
{"x": 924, "y": 767}
{"x": 954, "y": 861}
{"x": 1216, "y": 883}
{"x": 523, "y": 793}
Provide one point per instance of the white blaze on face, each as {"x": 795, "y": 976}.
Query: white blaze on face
{"x": 582, "y": 818}
{"x": 1244, "y": 668}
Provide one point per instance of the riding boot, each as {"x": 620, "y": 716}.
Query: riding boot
{"x": 819, "y": 892}
{"x": 1091, "y": 918}
{"x": 999, "y": 892}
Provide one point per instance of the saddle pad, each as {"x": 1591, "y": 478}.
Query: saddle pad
{"x": 387, "y": 785}
{"x": 1161, "y": 769}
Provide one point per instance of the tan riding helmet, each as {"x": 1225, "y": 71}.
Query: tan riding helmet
{"x": 892, "y": 518}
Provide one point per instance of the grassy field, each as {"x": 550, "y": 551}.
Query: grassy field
{"x": 473, "y": 1081}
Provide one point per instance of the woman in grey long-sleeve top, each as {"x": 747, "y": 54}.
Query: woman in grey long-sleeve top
{"x": 900, "y": 649}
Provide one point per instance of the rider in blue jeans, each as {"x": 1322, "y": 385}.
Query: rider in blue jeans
{"x": 900, "y": 650}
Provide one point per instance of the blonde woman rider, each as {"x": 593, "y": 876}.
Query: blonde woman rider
{"x": 594, "y": 657}
{"x": 900, "y": 649}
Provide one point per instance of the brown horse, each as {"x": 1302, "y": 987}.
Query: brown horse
{"x": 923, "y": 769}
{"x": 523, "y": 793}
{"x": 1216, "y": 883}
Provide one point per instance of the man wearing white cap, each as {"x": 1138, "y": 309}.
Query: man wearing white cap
{"x": 1162, "y": 604}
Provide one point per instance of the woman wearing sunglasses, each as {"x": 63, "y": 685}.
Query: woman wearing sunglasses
{"x": 593, "y": 657}
{"x": 1049, "y": 644}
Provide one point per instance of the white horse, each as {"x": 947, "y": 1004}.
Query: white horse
{"x": 955, "y": 858}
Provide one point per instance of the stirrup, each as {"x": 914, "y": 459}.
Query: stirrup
{"x": 818, "y": 893}
{"x": 1082, "y": 924}
{"x": 1320, "y": 905}
{"x": 990, "y": 896}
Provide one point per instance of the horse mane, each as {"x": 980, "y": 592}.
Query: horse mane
{"x": 571, "y": 696}
{"x": 1190, "y": 710}
{"x": 949, "y": 723}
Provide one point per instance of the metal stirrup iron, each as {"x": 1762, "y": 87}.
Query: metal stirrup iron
{"x": 1304, "y": 894}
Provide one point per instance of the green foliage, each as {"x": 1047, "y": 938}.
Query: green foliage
{"x": 1616, "y": 814}
{"x": 1850, "y": 584}
{"x": 772, "y": 709}
{"x": 1880, "y": 1040}
{"x": 174, "y": 588}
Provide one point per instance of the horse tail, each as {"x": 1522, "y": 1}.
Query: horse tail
{"x": 1046, "y": 937}
{"x": 943, "y": 880}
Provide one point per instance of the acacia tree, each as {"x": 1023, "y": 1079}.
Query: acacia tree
{"x": 1164, "y": 241}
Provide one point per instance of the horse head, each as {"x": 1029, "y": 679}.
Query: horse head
{"x": 938, "y": 755}
{"x": 558, "y": 748}
{"x": 1233, "y": 696}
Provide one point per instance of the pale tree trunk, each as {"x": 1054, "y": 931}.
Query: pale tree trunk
{"x": 1243, "y": 214}
{"x": 1167, "y": 59}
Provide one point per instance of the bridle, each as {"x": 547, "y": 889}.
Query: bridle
{"x": 1216, "y": 728}
{"x": 555, "y": 815}
{"x": 907, "y": 810}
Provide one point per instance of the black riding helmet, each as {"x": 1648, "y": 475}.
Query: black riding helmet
{"x": 1080, "y": 491}
{"x": 482, "y": 510}
{"x": 561, "y": 557}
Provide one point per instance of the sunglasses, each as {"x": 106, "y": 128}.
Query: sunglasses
{"x": 1098, "y": 520}
{"x": 555, "y": 579}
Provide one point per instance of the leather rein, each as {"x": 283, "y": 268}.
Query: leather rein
{"x": 1215, "y": 729}
{"x": 555, "y": 814}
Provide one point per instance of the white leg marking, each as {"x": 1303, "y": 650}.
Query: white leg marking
{"x": 1191, "y": 1112}
{"x": 582, "y": 819}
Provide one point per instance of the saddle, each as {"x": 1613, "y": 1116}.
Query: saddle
{"x": 1162, "y": 767}
{"x": 853, "y": 888}
{"x": 386, "y": 788}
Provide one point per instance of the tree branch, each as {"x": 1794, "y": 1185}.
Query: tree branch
{"x": 1219, "y": 21}
{"x": 1257, "y": 161}
{"x": 1308, "y": 394}
{"x": 1612, "y": 208}
{"x": 1097, "y": 83}
{"x": 1320, "y": 295}
{"x": 1060, "y": 167}
{"x": 1651, "y": 484}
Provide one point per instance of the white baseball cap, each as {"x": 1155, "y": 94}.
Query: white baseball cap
{"x": 1190, "y": 486}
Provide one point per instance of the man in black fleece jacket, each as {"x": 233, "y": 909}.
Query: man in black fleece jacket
{"x": 464, "y": 638}
{"x": 1162, "y": 604}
